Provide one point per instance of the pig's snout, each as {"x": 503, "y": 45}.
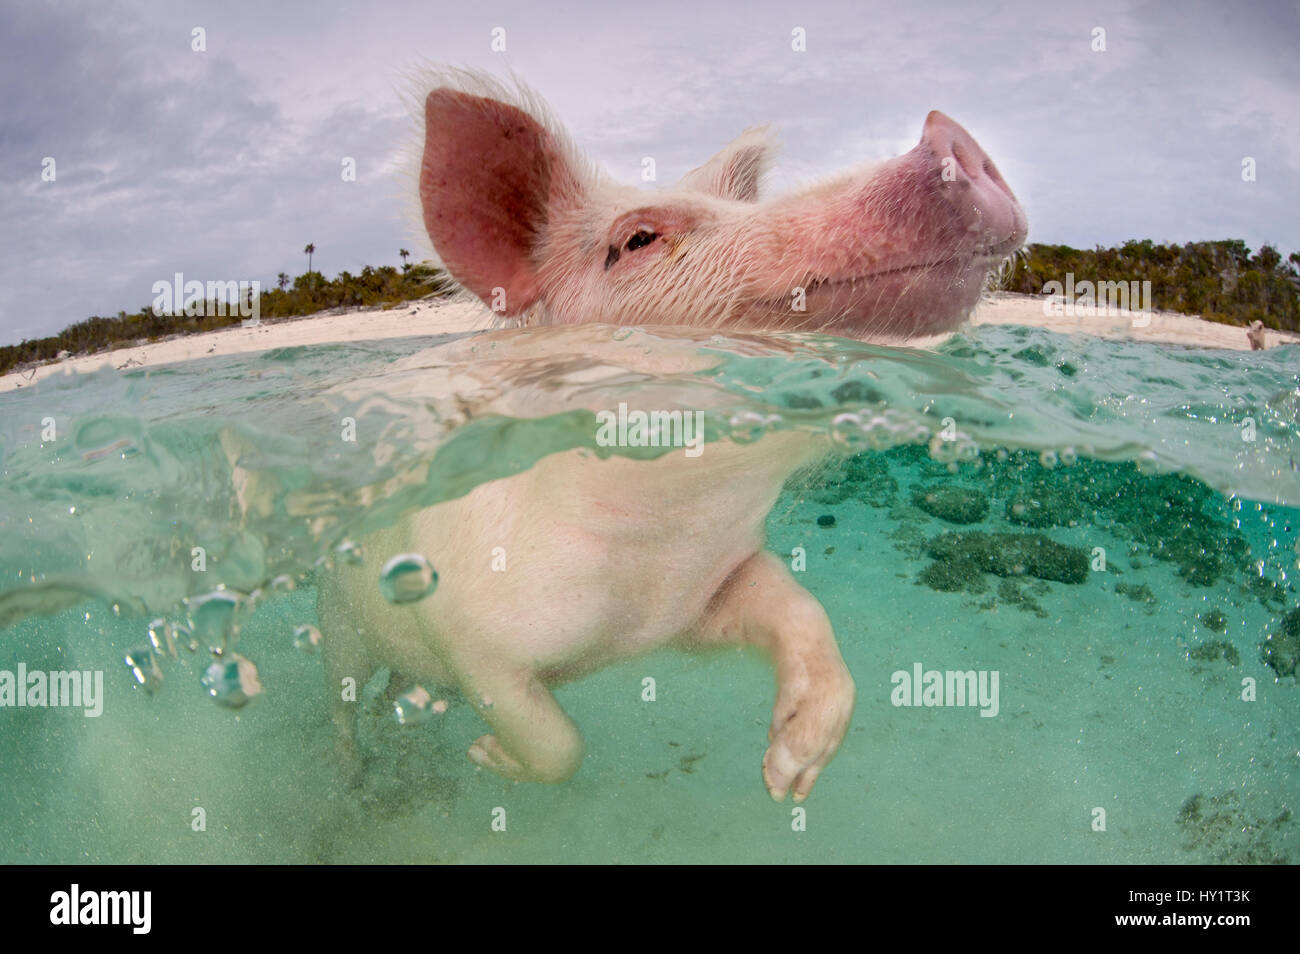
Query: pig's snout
{"x": 980, "y": 197}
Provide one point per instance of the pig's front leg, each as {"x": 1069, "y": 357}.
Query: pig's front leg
{"x": 534, "y": 740}
{"x": 760, "y": 604}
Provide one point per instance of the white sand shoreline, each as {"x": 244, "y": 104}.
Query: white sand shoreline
{"x": 440, "y": 316}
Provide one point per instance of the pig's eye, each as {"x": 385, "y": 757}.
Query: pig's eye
{"x": 641, "y": 238}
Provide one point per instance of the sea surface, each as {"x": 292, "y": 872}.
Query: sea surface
{"x": 1107, "y": 528}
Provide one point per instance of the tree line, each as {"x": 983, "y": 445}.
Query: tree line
{"x": 304, "y": 295}
{"x": 1220, "y": 281}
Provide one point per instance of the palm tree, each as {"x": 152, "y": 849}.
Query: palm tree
{"x": 405, "y": 255}
{"x": 309, "y": 249}
{"x": 282, "y": 280}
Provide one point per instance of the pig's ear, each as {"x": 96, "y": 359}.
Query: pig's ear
{"x": 735, "y": 172}
{"x": 490, "y": 178}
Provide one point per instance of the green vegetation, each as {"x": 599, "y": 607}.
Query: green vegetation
{"x": 1170, "y": 518}
{"x": 309, "y": 293}
{"x": 1220, "y": 281}
{"x": 962, "y": 555}
{"x": 952, "y": 503}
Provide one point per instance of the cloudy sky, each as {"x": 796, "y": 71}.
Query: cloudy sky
{"x": 224, "y": 163}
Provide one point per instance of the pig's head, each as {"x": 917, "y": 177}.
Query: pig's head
{"x": 524, "y": 222}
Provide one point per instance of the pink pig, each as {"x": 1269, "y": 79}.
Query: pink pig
{"x": 609, "y": 559}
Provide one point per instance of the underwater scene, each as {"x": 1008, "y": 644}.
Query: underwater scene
{"x": 1060, "y": 570}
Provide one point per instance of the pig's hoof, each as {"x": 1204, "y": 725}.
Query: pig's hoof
{"x": 489, "y": 753}
{"x": 808, "y": 726}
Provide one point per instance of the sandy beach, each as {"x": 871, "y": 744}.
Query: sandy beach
{"x": 439, "y": 316}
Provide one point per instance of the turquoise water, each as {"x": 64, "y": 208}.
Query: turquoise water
{"x": 1111, "y": 527}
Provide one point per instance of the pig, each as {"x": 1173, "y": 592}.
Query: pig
{"x": 1255, "y": 336}
{"x": 608, "y": 559}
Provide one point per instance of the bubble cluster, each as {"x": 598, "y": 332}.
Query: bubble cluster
{"x": 961, "y": 449}
{"x": 848, "y": 432}
{"x": 859, "y": 431}
{"x": 212, "y": 621}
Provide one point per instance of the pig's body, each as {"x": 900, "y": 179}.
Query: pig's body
{"x": 608, "y": 559}
{"x": 1255, "y": 335}
{"x": 603, "y": 560}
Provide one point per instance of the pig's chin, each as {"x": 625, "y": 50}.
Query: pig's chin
{"x": 905, "y": 302}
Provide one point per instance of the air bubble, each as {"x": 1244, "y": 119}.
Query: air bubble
{"x": 1048, "y": 459}
{"x": 144, "y": 669}
{"x": 306, "y": 638}
{"x": 215, "y": 618}
{"x": 162, "y": 638}
{"x": 847, "y": 431}
{"x": 185, "y": 637}
{"x": 749, "y": 426}
{"x": 413, "y": 707}
{"x": 353, "y": 554}
{"x": 407, "y": 578}
{"x": 232, "y": 681}
{"x": 622, "y": 334}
